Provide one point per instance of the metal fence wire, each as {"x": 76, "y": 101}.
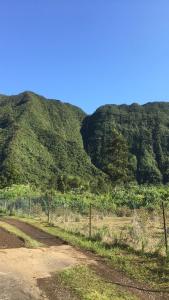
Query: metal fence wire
{"x": 139, "y": 229}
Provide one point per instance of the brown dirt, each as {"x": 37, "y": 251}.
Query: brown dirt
{"x": 35, "y": 233}
{"x": 9, "y": 240}
{"x": 20, "y": 270}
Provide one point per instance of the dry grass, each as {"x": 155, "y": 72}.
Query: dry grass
{"x": 141, "y": 231}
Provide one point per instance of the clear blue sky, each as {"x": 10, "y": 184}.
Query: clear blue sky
{"x": 86, "y": 52}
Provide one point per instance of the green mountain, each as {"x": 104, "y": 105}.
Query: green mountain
{"x": 41, "y": 142}
{"x": 144, "y": 129}
{"x": 49, "y": 142}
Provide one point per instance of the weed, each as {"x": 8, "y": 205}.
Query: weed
{"x": 89, "y": 286}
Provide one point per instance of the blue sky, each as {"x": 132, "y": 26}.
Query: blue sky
{"x": 88, "y": 53}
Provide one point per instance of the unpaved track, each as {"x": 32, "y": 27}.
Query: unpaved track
{"x": 9, "y": 240}
{"x": 21, "y": 268}
{"x": 36, "y": 233}
{"x": 24, "y": 268}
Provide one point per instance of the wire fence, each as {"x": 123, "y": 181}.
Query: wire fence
{"x": 140, "y": 229}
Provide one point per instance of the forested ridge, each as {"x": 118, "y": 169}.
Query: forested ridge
{"x": 143, "y": 130}
{"x": 48, "y": 142}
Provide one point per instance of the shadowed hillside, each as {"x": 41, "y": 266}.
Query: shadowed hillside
{"x": 145, "y": 130}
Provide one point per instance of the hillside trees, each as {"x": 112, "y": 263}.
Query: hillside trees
{"x": 42, "y": 139}
{"x": 115, "y": 157}
{"x": 145, "y": 129}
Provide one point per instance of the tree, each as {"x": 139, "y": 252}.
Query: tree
{"x": 116, "y": 157}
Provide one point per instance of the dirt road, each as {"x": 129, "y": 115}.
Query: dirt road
{"x": 36, "y": 233}
{"x": 26, "y": 273}
{"x": 21, "y": 268}
{"x": 8, "y": 240}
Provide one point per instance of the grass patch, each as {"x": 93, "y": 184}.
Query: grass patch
{"x": 84, "y": 283}
{"x": 29, "y": 242}
{"x": 144, "y": 268}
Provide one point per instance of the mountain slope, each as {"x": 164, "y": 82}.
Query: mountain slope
{"x": 41, "y": 140}
{"x": 146, "y": 131}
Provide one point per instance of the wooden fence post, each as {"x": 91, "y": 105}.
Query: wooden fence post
{"x": 90, "y": 221}
{"x": 165, "y": 228}
{"x": 49, "y": 210}
{"x": 30, "y": 206}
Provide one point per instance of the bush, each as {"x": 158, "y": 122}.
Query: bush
{"x": 123, "y": 211}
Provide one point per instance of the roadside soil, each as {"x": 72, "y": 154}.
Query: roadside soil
{"x": 31, "y": 272}
{"x": 9, "y": 240}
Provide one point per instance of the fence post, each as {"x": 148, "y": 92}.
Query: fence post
{"x": 90, "y": 221}
{"x": 48, "y": 210}
{"x": 30, "y": 206}
{"x": 165, "y": 228}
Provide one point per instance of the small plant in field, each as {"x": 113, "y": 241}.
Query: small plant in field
{"x": 37, "y": 210}
{"x": 115, "y": 239}
{"x": 124, "y": 211}
{"x": 167, "y": 258}
{"x": 77, "y": 219}
{"x": 159, "y": 249}
{"x": 136, "y": 234}
{"x": 3, "y": 211}
{"x": 101, "y": 233}
{"x": 97, "y": 236}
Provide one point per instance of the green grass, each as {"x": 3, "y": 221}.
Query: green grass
{"x": 29, "y": 242}
{"x": 84, "y": 283}
{"x": 144, "y": 268}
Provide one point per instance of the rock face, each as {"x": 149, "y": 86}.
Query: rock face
{"x": 43, "y": 140}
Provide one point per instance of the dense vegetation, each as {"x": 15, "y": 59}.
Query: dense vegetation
{"x": 133, "y": 197}
{"x": 50, "y": 143}
{"x": 41, "y": 143}
{"x": 143, "y": 140}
